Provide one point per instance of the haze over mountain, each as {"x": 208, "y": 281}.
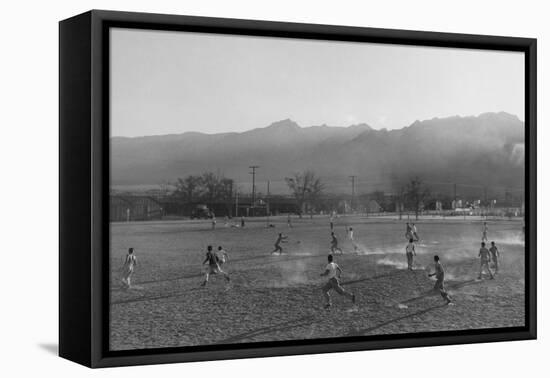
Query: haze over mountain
{"x": 483, "y": 150}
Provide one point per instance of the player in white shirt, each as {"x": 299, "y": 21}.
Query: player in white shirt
{"x": 484, "y": 230}
{"x": 128, "y": 268}
{"x": 495, "y": 255}
{"x": 410, "y": 252}
{"x": 408, "y": 232}
{"x": 415, "y": 233}
{"x": 222, "y": 256}
{"x": 213, "y": 220}
{"x": 350, "y": 235}
{"x": 333, "y": 272}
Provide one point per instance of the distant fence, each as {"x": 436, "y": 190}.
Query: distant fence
{"x": 135, "y": 207}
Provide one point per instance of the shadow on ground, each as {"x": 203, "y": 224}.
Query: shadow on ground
{"x": 303, "y": 321}
{"x": 51, "y": 348}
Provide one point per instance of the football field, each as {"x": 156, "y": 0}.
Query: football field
{"x": 278, "y": 297}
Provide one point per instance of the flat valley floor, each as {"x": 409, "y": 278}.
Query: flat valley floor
{"x": 278, "y": 297}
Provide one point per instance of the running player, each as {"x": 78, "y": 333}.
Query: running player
{"x": 350, "y": 235}
{"x": 128, "y": 268}
{"x": 495, "y": 255}
{"x": 484, "y": 230}
{"x": 242, "y": 221}
{"x": 213, "y": 221}
{"x": 222, "y": 256}
{"x": 485, "y": 258}
{"x": 415, "y": 233}
{"x": 440, "y": 276}
{"x": 408, "y": 232}
{"x": 410, "y": 252}
{"x": 332, "y": 221}
{"x": 289, "y": 221}
{"x": 333, "y": 271}
{"x": 213, "y": 266}
{"x": 334, "y": 244}
{"x": 280, "y": 239}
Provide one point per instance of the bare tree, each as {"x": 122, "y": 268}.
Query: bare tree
{"x": 416, "y": 193}
{"x": 307, "y": 188}
{"x": 211, "y": 185}
{"x": 189, "y": 188}
{"x": 399, "y": 200}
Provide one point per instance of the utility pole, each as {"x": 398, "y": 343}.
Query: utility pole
{"x": 352, "y": 191}
{"x": 455, "y": 193}
{"x": 485, "y": 204}
{"x": 230, "y": 200}
{"x": 253, "y": 173}
{"x": 267, "y": 204}
{"x": 401, "y": 199}
{"x": 236, "y": 203}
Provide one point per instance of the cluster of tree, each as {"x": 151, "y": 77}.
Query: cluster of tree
{"x": 206, "y": 188}
{"x": 413, "y": 196}
{"x": 307, "y": 188}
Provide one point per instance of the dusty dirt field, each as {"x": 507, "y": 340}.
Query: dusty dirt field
{"x": 272, "y": 297}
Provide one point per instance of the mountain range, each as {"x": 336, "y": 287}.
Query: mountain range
{"x": 484, "y": 150}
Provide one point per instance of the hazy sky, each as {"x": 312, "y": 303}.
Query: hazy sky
{"x": 173, "y": 82}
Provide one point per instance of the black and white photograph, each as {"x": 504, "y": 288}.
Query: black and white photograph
{"x": 267, "y": 189}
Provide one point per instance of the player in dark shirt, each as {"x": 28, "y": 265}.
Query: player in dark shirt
{"x": 485, "y": 258}
{"x": 440, "y": 276}
{"x": 334, "y": 244}
{"x": 280, "y": 239}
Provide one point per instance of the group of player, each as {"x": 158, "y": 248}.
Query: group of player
{"x": 215, "y": 260}
{"x": 226, "y": 223}
{"x": 439, "y": 272}
{"x": 334, "y": 248}
{"x": 333, "y": 271}
{"x": 485, "y": 255}
{"x": 488, "y": 255}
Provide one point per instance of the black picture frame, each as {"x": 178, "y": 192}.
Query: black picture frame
{"x": 84, "y": 179}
